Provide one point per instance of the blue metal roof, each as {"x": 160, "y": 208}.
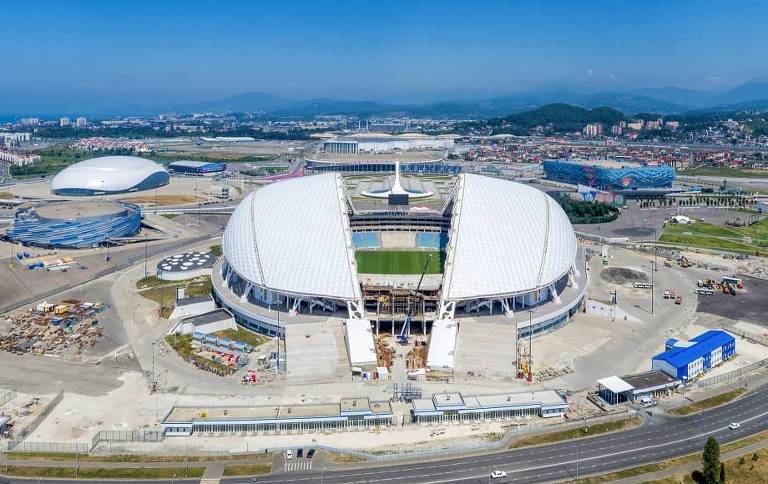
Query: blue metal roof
{"x": 705, "y": 343}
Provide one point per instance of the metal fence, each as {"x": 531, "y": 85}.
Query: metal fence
{"x": 755, "y": 338}
{"x": 49, "y": 447}
{"x": 127, "y": 436}
{"x": 31, "y": 426}
{"x": 732, "y": 375}
{"x": 6, "y": 396}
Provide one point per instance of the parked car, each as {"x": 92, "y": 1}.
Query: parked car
{"x": 288, "y": 454}
{"x": 310, "y": 453}
{"x": 300, "y": 453}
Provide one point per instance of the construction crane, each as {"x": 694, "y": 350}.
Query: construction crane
{"x": 402, "y": 338}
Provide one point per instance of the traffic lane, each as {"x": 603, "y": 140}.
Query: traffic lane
{"x": 565, "y": 468}
{"x": 647, "y": 438}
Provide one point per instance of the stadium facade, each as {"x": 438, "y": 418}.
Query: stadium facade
{"x": 509, "y": 251}
{"x": 609, "y": 177}
{"x": 109, "y": 175}
{"x": 381, "y": 143}
{"x": 185, "y": 167}
{"x": 75, "y": 225}
{"x": 434, "y": 167}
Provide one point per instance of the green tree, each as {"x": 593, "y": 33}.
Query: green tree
{"x": 722, "y": 473}
{"x": 711, "y": 462}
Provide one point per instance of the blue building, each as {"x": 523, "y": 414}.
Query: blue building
{"x": 196, "y": 167}
{"x": 75, "y": 225}
{"x": 610, "y": 178}
{"x": 686, "y": 360}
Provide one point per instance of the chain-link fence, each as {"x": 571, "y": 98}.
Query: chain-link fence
{"x": 732, "y": 375}
{"x": 6, "y": 396}
{"x": 127, "y": 436}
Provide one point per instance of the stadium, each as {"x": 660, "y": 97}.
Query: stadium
{"x": 109, "y": 175}
{"x": 610, "y": 175}
{"x": 497, "y": 256}
{"x": 75, "y": 225}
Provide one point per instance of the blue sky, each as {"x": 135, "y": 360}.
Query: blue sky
{"x": 164, "y": 52}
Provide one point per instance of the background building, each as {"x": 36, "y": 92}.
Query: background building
{"x": 109, "y": 175}
{"x": 196, "y": 167}
{"x": 608, "y": 175}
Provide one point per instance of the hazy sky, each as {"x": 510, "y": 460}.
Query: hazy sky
{"x": 163, "y": 52}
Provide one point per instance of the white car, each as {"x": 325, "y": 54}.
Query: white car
{"x": 734, "y": 425}
{"x": 288, "y": 454}
{"x": 498, "y": 475}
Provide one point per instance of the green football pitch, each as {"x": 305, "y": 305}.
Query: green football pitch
{"x": 398, "y": 262}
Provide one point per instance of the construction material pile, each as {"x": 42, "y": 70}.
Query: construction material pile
{"x": 384, "y": 353}
{"x": 63, "y": 329}
{"x": 755, "y": 267}
{"x": 551, "y": 373}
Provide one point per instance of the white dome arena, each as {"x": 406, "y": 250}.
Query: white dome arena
{"x": 109, "y": 175}
{"x": 509, "y": 246}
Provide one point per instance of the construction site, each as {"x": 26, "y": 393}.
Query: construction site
{"x": 64, "y": 329}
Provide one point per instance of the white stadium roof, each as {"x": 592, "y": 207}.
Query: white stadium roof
{"x": 293, "y": 237}
{"x": 106, "y": 173}
{"x": 506, "y": 238}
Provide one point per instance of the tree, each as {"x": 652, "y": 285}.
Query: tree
{"x": 711, "y": 462}
{"x": 722, "y": 473}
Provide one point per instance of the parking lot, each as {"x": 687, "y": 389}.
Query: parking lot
{"x": 747, "y": 305}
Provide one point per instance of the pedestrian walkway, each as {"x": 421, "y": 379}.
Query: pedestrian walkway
{"x": 298, "y": 465}
{"x": 213, "y": 473}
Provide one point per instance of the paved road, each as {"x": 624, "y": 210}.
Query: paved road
{"x": 662, "y": 439}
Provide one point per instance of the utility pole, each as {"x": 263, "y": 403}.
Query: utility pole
{"x": 653, "y": 269}
{"x": 146, "y": 252}
{"x": 153, "y": 366}
{"x": 278, "y": 340}
{"x": 530, "y": 346}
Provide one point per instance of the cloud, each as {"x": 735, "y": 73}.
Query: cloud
{"x": 590, "y": 72}
{"x": 612, "y": 77}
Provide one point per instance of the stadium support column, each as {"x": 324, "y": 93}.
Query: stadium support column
{"x": 244, "y": 296}
{"x": 555, "y": 295}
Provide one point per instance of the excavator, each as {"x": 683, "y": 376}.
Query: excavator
{"x": 402, "y": 338}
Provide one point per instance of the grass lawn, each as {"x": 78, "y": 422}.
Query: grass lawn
{"x": 576, "y": 433}
{"x": 67, "y": 457}
{"x": 708, "y": 402}
{"x": 155, "y": 289}
{"x": 702, "y": 234}
{"x": 182, "y": 344}
{"x": 248, "y": 470}
{"x": 398, "y": 262}
{"x": 6, "y": 195}
{"x": 667, "y": 464}
{"x": 243, "y": 336}
{"x": 171, "y": 216}
{"x": 724, "y": 172}
{"x": 108, "y": 473}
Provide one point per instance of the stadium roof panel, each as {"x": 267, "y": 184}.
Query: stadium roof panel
{"x": 508, "y": 238}
{"x": 293, "y": 237}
